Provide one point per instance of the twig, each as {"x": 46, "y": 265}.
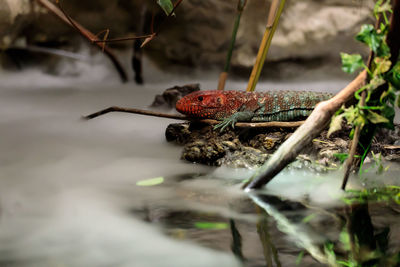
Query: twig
{"x": 357, "y": 131}
{"x": 291, "y": 124}
{"x": 353, "y": 148}
{"x": 312, "y": 127}
{"x": 85, "y": 33}
{"x": 135, "y": 111}
{"x": 275, "y": 12}
{"x": 223, "y": 76}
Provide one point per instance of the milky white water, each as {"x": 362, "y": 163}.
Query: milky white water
{"x": 68, "y": 193}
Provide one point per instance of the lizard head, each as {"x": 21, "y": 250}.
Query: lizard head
{"x": 202, "y": 104}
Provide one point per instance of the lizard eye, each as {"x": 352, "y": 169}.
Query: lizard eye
{"x": 200, "y": 98}
{"x": 219, "y": 100}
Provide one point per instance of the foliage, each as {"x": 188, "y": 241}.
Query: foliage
{"x": 378, "y": 110}
{"x": 356, "y": 255}
{"x": 385, "y": 194}
{"x": 167, "y": 6}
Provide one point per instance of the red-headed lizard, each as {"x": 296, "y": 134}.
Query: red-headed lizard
{"x": 233, "y": 106}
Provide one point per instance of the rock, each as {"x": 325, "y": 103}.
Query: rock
{"x": 230, "y": 145}
{"x": 308, "y": 29}
{"x": 240, "y": 148}
{"x": 203, "y": 152}
{"x": 14, "y": 15}
{"x": 171, "y": 95}
{"x": 246, "y": 157}
{"x": 267, "y": 141}
{"x": 178, "y": 133}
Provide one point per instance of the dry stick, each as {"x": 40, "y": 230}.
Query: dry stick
{"x": 87, "y": 34}
{"x": 357, "y": 132}
{"x": 275, "y": 12}
{"x": 353, "y": 148}
{"x": 312, "y": 127}
{"x": 292, "y": 124}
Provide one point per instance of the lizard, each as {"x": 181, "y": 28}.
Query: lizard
{"x": 233, "y": 106}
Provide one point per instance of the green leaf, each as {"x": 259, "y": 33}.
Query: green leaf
{"x": 375, "y": 41}
{"x": 336, "y": 124}
{"x": 150, "y": 182}
{"x": 398, "y": 101}
{"x": 167, "y": 6}
{"x": 341, "y": 156}
{"x": 394, "y": 76}
{"x": 211, "y": 225}
{"x": 351, "y": 63}
{"x": 344, "y": 238}
{"x": 368, "y": 36}
{"x": 308, "y": 218}
{"x": 382, "y": 65}
{"x": 388, "y": 112}
{"x": 375, "y": 82}
{"x": 354, "y": 116}
{"x": 376, "y": 118}
{"x": 299, "y": 257}
{"x": 380, "y": 8}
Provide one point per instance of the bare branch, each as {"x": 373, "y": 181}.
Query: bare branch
{"x": 291, "y": 124}
{"x": 87, "y": 34}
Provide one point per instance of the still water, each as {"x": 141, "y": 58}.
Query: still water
{"x": 68, "y": 193}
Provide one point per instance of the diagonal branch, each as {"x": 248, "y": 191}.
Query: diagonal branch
{"x": 87, "y": 34}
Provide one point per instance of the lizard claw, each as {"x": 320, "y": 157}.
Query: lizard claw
{"x": 225, "y": 123}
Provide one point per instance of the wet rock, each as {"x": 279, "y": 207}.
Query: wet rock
{"x": 246, "y": 157}
{"x": 230, "y": 145}
{"x": 171, "y": 95}
{"x": 247, "y": 148}
{"x": 178, "y": 133}
{"x": 268, "y": 141}
{"x": 203, "y": 152}
{"x": 328, "y": 154}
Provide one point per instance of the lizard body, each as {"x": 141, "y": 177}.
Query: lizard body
{"x": 233, "y": 106}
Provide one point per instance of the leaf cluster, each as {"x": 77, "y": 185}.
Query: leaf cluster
{"x": 380, "y": 73}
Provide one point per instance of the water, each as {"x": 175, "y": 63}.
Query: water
{"x": 68, "y": 193}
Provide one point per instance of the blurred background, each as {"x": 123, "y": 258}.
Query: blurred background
{"x": 309, "y": 38}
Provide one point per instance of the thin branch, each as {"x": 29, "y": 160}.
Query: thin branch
{"x": 224, "y": 75}
{"x": 357, "y": 131}
{"x": 353, "y": 148}
{"x": 135, "y": 111}
{"x": 85, "y": 33}
{"x": 291, "y": 124}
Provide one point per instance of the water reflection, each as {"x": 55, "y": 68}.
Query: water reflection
{"x": 68, "y": 193}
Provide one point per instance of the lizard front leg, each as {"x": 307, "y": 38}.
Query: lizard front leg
{"x": 238, "y": 116}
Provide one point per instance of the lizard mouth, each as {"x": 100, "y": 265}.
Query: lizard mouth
{"x": 195, "y": 110}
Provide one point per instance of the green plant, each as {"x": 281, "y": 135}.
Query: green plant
{"x": 384, "y": 194}
{"x": 378, "y": 110}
